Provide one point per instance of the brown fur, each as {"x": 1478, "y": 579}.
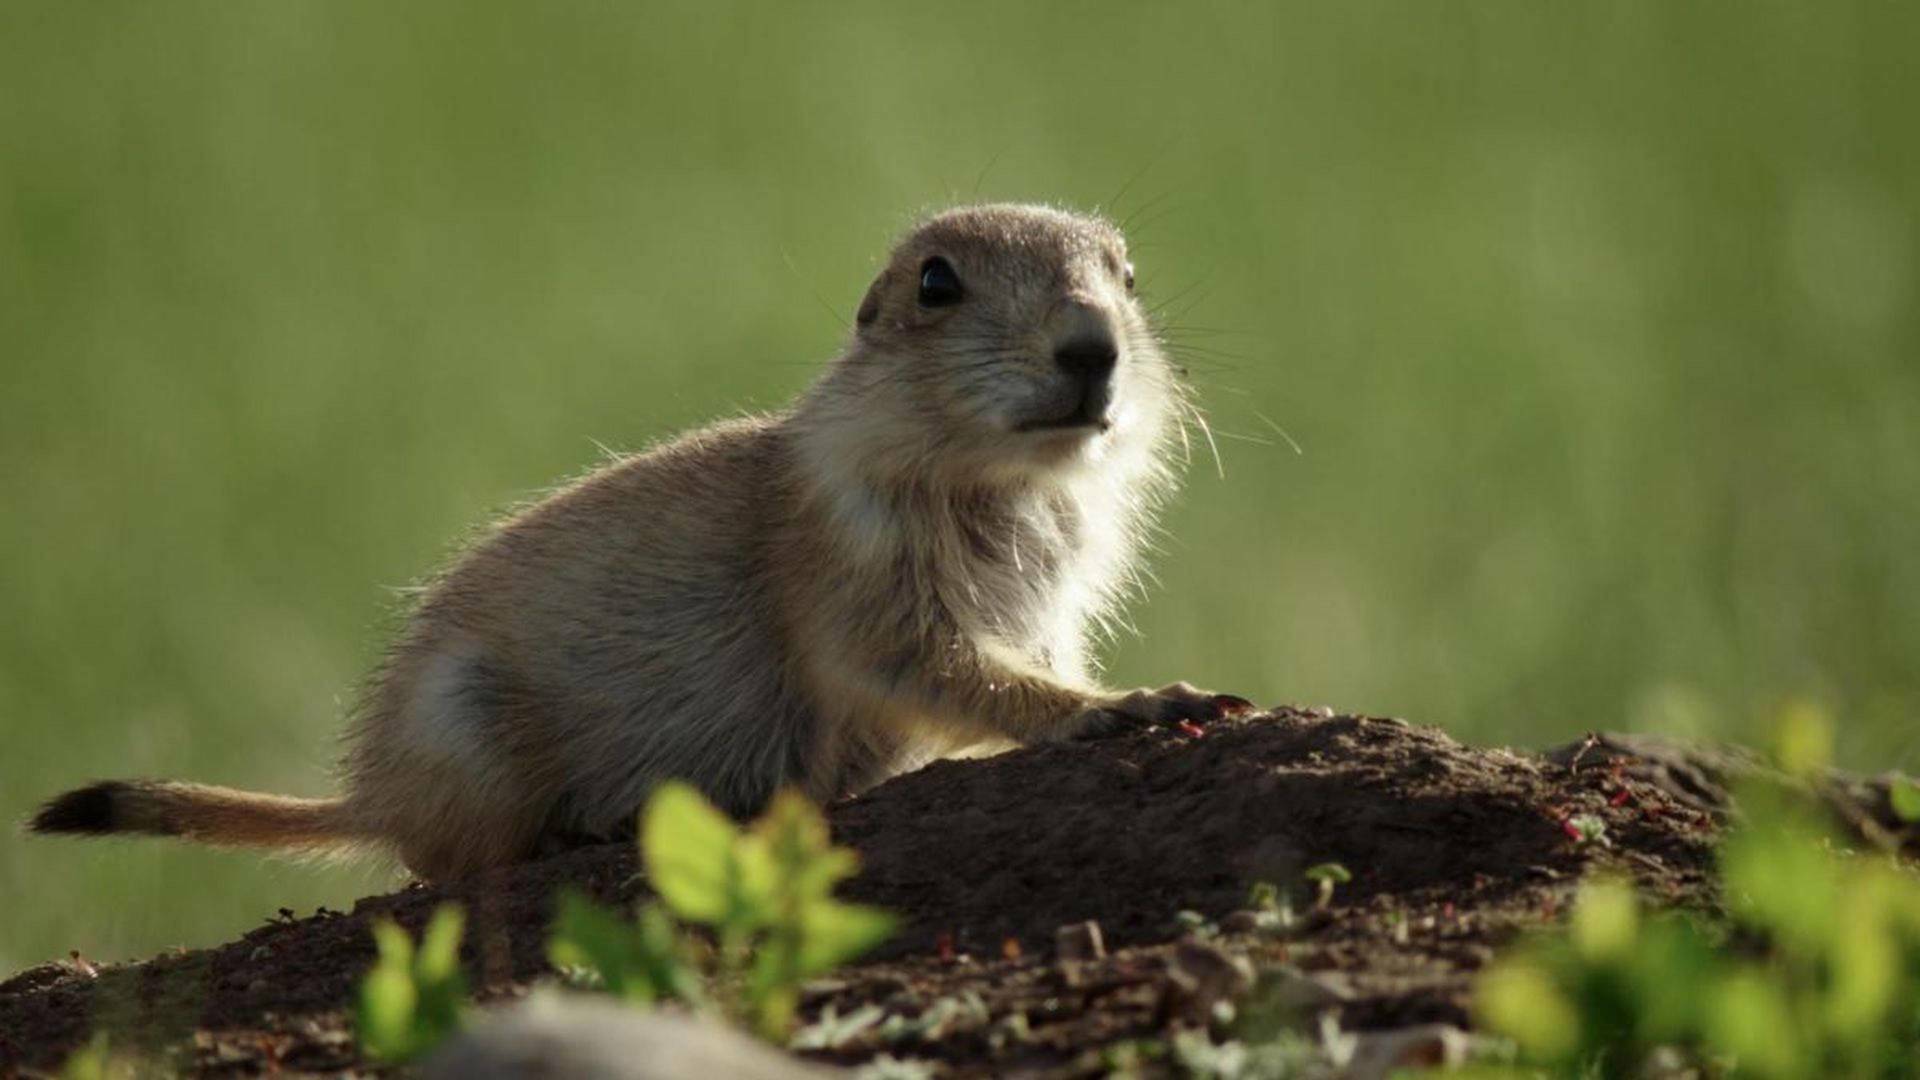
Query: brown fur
{"x": 899, "y": 566}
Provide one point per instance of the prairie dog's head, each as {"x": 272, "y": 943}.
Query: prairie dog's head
{"x": 1005, "y": 340}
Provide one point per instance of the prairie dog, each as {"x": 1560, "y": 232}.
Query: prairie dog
{"x": 909, "y": 560}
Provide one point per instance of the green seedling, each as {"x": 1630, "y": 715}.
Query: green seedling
{"x": 1400, "y": 927}
{"x": 639, "y": 960}
{"x": 1588, "y": 829}
{"x": 412, "y": 998}
{"x": 91, "y": 1062}
{"x": 1815, "y": 971}
{"x": 1196, "y": 924}
{"x": 1326, "y": 877}
{"x": 764, "y": 893}
{"x": 1272, "y": 909}
{"x": 1904, "y": 794}
{"x": 1803, "y": 740}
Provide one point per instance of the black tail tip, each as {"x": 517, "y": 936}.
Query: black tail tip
{"x": 83, "y": 810}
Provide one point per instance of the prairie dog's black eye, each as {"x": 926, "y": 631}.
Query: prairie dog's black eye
{"x": 1127, "y": 274}
{"x": 939, "y": 285}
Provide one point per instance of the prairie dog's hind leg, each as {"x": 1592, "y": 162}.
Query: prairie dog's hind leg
{"x": 436, "y": 767}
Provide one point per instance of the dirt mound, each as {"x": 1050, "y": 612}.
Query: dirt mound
{"x": 1450, "y": 848}
{"x": 1130, "y": 831}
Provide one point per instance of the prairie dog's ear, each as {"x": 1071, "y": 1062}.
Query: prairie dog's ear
{"x": 870, "y": 305}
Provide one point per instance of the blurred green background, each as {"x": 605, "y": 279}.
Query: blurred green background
{"x": 1596, "y": 325}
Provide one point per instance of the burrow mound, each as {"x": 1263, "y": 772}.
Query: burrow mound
{"x": 1451, "y": 848}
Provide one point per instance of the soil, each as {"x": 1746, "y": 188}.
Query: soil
{"x": 1452, "y": 850}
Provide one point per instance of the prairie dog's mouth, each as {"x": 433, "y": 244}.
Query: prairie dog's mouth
{"x": 1092, "y": 412}
{"x": 1078, "y": 418}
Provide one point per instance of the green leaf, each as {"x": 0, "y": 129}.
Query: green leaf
{"x": 1670, "y": 975}
{"x": 412, "y": 999}
{"x": 90, "y": 1062}
{"x": 395, "y": 948}
{"x": 832, "y": 933}
{"x": 766, "y": 891}
{"x": 587, "y": 935}
{"x": 1803, "y": 739}
{"x": 753, "y": 886}
{"x": 688, "y": 846}
{"x": 663, "y": 958}
{"x": 1904, "y": 794}
{"x": 1753, "y": 1021}
{"x": 1813, "y": 969}
{"x": 1778, "y": 875}
{"x": 1519, "y": 1000}
{"x": 1329, "y": 872}
{"x": 1590, "y": 828}
{"x": 801, "y": 848}
{"x": 773, "y": 1008}
{"x": 1864, "y": 959}
{"x": 384, "y": 1018}
{"x": 1606, "y": 920}
{"x": 438, "y": 959}
{"x": 636, "y": 961}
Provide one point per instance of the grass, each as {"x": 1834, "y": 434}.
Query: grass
{"x": 1596, "y": 328}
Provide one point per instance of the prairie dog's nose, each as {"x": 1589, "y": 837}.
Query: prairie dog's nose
{"x": 1085, "y": 345}
{"x": 1090, "y": 356}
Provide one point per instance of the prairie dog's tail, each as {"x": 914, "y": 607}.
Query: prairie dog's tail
{"x": 210, "y": 815}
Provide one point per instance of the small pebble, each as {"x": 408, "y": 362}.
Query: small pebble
{"x": 1240, "y": 922}
{"x": 1203, "y": 980}
{"x": 1426, "y": 1046}
{"x": 1079, "y": 942}
{"x": 1297, "y": 991}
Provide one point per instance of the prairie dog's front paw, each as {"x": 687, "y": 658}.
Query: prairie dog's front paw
{"x": 1148, "y": 708}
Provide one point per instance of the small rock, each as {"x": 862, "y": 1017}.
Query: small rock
{"x": 1079, "y": 942}
{"x": 259, "y": 953}
{"x": 1271, "y": 921}
{"x": 1292, "y": 990}
{"x": 1011, "y": 1029}
{"x": 257, "y": 986}
{"x": 600, "y": 1039}
{"x": 1240, "y": 922}
{"x": 1377, "y": 1055}
{"x": 1202, "y": 978}
{"x": 815, "y": 989}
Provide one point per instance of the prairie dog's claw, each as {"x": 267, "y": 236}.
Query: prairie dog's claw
{"x": 1149, "y": 708}
{"x": 1234, "y": 704}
